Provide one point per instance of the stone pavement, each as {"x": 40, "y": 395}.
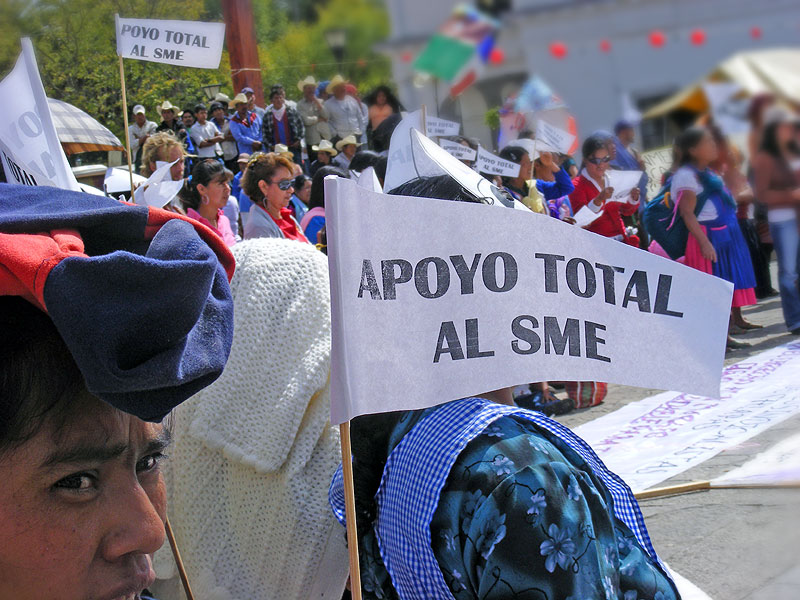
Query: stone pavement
{"x": 740, "y": 544}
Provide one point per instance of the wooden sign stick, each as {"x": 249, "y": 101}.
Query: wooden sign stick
{"x": 350, "y": 511}
{"x": 178, "y": 561}
{"x": 125, "y": 119}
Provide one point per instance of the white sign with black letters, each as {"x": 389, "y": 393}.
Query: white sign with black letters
{"x": 494, "y": 165}
{"x": 29, "y": 148}
{"x": 459, "y": 151}
{"x": 434, "y": 300}
{"x": 182, "y": 43}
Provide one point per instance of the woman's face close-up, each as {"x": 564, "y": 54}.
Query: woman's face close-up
{"x": 218, "y": 193}
{"x": 82, "y": 507}
{"x": 276, "y": 197}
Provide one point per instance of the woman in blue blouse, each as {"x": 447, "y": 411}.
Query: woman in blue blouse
{"x": 472, "y": 499}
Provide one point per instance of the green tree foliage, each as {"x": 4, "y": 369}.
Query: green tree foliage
{"x": 76, "y": 49}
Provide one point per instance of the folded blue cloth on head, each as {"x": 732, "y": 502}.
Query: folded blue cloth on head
{"x": 140, "y": 296}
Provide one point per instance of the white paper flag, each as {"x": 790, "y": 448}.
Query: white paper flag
{"x": 494, "y": 165}
{"x": 553, "y": 137}
{"x": 434, "y": 300}
{"x": 623, "y": 183}
{"x": 29, "y": 146}
{"x": 183, "y": 43}
{"x": 459, "y": 151}
{"x": 159, "y": 189}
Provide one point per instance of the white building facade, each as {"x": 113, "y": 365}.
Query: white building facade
{"x": 592, "y": 82}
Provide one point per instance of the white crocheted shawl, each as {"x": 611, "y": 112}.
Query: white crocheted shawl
{"x": 254, "y": 453}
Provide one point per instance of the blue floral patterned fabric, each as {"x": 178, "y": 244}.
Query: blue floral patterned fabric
{"x": 523, "y": 516}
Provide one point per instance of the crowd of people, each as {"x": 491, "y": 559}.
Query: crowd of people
{"x": 257, "y": 172}
{"x": 126, "y": 315}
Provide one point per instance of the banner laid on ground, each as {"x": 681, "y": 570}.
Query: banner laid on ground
{"x": 459, "y": 151}
{"x": 434, "y": 300}
{"x": 183, "y": 43}
{"x": 650, "y": 441}
{"x": 780, "y": 465}
{"x": 29, "y": 147}
{"x": 494, "y": 165}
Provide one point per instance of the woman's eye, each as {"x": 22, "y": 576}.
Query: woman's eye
{"x": 79, "y": 482}
{"x": 149, "y": 462}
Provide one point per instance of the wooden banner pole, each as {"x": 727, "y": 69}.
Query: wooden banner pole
{"x": 699, "y": 486}
{"x": 350, "y": 511}
{"x": 125, "y": 118}
{"x": 178, "y": 561}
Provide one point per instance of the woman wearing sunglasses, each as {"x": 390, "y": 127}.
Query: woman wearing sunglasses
{"x": 591, "y": 190}
{"x": 268, "y": 182}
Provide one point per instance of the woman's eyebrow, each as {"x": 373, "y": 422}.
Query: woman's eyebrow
{"x": 84, "y": 453}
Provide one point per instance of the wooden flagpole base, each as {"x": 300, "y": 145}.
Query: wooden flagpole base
{"x": 125, "y": 120}
{"x": 350, "y": 511}
{"x": 671, "y": 490}
{"x": 178, "y": 561}
{"x": 699, "y": 486}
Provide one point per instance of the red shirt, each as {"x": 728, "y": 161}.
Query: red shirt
{"x": 289, "y": 227}
{"x": 609, "y": 223}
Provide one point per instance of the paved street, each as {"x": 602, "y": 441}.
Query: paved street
{"x": 740, "y": 544}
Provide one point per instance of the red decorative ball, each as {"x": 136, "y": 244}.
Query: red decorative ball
{"x": 558, "y": 49}
{"x": 697, "y": 37}
{"x": 497, "y": 56}
{"x": 657, "y": 38}
{"x": 755, "y": 32}
{"x": 605, "y": 46}
{"x": 313, "y": 66}
{"x": 406, "y": 57}
{"x": 361, "y": 62}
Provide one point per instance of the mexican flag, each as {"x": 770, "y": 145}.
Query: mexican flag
{"x": 458, "y": 51}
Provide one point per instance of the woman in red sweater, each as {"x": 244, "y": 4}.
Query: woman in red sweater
{"x": 591, "y": 190}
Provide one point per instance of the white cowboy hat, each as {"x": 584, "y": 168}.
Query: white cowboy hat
{"x": 283, "y": 150}
{"x": 324, "y": 146}
{"x": 350, "y": 139}
{"x": 307, "y": 81}
{"x": 240, "y": 98}
{"x": 337, "y": 80}
{"x": 166, "y": 105}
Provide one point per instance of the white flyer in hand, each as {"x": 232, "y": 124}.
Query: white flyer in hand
{"x": 623, "y": 183}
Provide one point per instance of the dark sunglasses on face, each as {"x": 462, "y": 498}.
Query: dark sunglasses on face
{"x": 599, "y": 161}
{"x": 284, "y": 184}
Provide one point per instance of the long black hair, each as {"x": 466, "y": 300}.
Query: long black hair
{"x": 770, "y": 145}
{"x": 391, "y": 99}
{"x": 688, "y": 140}
{"x": 317, "y": 198}
{"x": 204, "y": 172}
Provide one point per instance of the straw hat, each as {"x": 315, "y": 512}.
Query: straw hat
{"x": 307, "y": 81}
{"x": 239, "y": 99}
{"x": 337, "y": 80}
{"x": 166, "y": 105}
{"x": 325, "y": 146}
{"x": 222, "y": 98}
{"x": 350, "y": 139}
{"x": 283, "y": 150}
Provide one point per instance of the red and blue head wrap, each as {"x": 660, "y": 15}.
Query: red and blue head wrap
{"x": 139, "y": 295}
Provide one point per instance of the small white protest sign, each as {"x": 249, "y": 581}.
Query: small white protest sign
{"x": 586, "y": 216}
{"x": 656, "y": 163}
{"x": 369, "y": 179}
{"x": 29, "y": 148}
{"x": 553, "y": 137}
{"x": 623, "y": 183}
{"x": 182, "y": 43}
{"x": 459, "y": 151}
{"x": 434, "y": 300}
{"x": 494, "y": 165}
{"x": 439, "y": 127}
